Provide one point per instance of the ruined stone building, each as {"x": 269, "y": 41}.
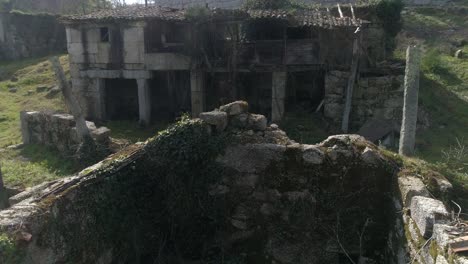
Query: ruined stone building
{"x": 28, "y": 35}
{"x": 151, "y": 63}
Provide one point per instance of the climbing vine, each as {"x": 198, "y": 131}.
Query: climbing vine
{"x": 9, "y": 252}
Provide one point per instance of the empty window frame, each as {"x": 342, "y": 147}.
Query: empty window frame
{"x": 104, "y": 34}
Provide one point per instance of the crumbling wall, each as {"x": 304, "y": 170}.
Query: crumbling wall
{"x": 434, "y": 231}
{"x": 379, "y": 97}
{"x": 57, "y": 131}
{"x": 24, "y": 35}
{"x": 224, "y": 188}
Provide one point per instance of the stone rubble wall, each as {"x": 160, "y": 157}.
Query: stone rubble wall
{"x": 373, "y": 98}
{"x": 429, "y": 226}
{"x": 279, "y": 199}
{"x": 25, "y": 36}
{"x": 57, "y": 131}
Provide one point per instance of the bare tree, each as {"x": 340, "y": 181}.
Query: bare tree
{"x": 70, "y": 100}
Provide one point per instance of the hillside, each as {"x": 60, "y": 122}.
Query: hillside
{"x": 444, "y": 83}
{"x": 29, "y": 85}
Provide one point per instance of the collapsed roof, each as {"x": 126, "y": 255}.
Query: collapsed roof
{"x": 316, "y": 17}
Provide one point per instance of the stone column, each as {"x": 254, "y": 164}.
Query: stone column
{"x": 197, "y": 86}
{"x": 144, "y": 102}
{"x": 25, "y": 133}
{"x": 100, "y": 99}
{"x": 410, "y": 108}
{"x": 278, "y": 95}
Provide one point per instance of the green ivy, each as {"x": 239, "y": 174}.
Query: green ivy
{"x": 9, "y": 252}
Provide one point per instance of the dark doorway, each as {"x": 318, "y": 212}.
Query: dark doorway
{"x": 305, "y": 90}
{"x": 220, "y": 90}
{"x": 252, "y": 87}
{"x": 170, "y": 95}
{"x": 255, "y": 88}
{"x": 121, "y": 99}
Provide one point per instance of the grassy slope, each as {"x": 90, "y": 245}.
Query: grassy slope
{"x": 33, "y": 164}
{"x": 443, "y": 89}
{"x": 36, "y": 164}
{"x": 29, "y": 78}
{"x": 444, "y": 83}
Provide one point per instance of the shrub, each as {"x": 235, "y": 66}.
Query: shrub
{"x": 388, "y": 13}
{"x": 456, "y": 156}
{"x": 432, "y": 63}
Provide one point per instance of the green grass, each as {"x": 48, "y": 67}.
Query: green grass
{"x": 444, "y": 79}
{"x": 304, "y": 128}
{"x": 33, "y": 165}
{"x": 26, "y": 98}
{"x": 443, "y": 89}
{"x": 132, "y": 131}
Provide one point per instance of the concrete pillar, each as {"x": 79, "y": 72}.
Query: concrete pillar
{"x": 410, "y": 108}
{"x": 100, "y": 99}
{"x": 144, "y": 102}
{"x": 197, "y": 86}
{"x": 278, "y": 95}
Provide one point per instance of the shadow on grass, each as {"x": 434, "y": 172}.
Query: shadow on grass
{"x": 50, "y": 159}
{"x": 448, "y": 119}
{"x": 132, "y": 131}
{"x": 305, "y": 128}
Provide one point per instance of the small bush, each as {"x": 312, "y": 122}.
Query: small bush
{"x": 389, "y": 14}
{"x": 456, "y": 156}
{"x": 432, "y": 63}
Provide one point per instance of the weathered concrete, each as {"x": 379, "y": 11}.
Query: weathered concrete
{"x": 166, "y": 61}
{"x": 410, "y": 108}
{"x": 410, "y": 187}
{"x": 144, "y": 102}
{"x": 134, "y": 44}
{"x": 197, "y": 86}
{"x": 426, "y": 212}
{"x": 278, "y": 95}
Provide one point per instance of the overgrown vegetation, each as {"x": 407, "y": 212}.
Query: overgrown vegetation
{"x": 164, "y": 194}
{"x": 388, "y": 13}
{"x": 9, "y": 252}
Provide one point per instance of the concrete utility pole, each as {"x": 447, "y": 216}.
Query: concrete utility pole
{"x": 410, "y": 108}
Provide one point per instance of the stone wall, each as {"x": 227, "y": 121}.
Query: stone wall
{"x": 373, "y": 98}
{"x": 24, "y": 35}
{"x": 259, "y": 198}
{"x": 57, "y": 131}
{"x": 431, "y": 228}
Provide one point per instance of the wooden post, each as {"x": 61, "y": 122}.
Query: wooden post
{"x": 410, "y": 107}
{"x": 351, "y": 81}
{"x": 72, "y": 103}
